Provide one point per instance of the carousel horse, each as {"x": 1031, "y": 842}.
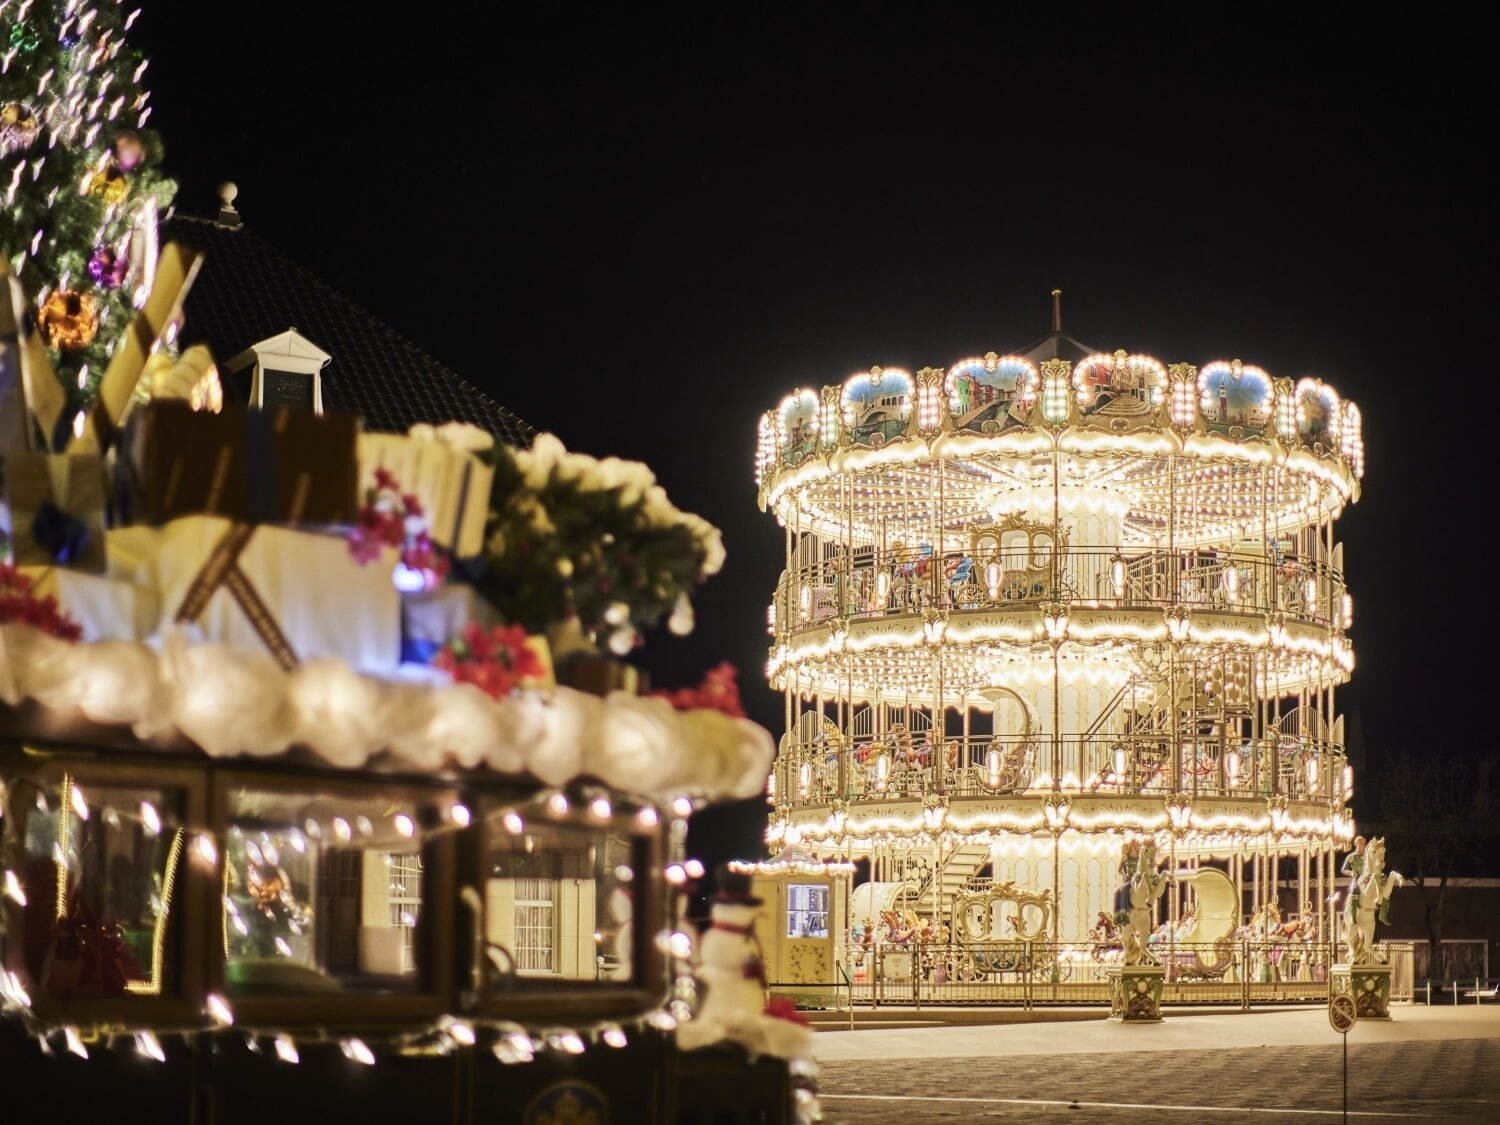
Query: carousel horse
{"x": 1369, "y": 899}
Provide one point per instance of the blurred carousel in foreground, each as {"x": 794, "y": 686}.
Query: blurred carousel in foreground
{"x": 1053, "y": 623}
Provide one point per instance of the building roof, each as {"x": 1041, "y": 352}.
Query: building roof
{"x": 248, "y": 290}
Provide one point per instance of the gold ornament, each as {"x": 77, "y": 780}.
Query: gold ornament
{"x": 109, "y": 184}
{"x": 266, "y": 890}
{"x": 69, "y": 320}
{"x": 18, "y": 128}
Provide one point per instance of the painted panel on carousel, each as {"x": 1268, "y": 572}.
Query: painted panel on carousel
{"x": 1318, "y": 415}
{"x": 799, "y": 427}
{"x": 877, "y": 405}
{"x": 1120, "y": 387}
{"x": 1235, "y": 399}
{"x": 992, "y": 394}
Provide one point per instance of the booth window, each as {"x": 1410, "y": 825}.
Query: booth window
{"x": 322, "y": 894}
{"x": 558, "y": 903}
{"x": 806, "y": 910}
{"x": 101, "y": 881}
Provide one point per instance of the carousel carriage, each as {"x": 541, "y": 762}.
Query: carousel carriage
{"x": 1213, "y": 924}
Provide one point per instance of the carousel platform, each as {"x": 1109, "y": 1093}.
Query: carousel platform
{"x": 1062, "y": 1031}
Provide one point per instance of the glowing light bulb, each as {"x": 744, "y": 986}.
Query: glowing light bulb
{"x": 356, "y": 1050}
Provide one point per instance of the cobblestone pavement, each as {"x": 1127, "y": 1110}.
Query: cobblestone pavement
{"x": 1389, "y": 1084}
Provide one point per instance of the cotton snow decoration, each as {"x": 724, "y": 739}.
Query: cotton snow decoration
{"x": 235, "y": 702}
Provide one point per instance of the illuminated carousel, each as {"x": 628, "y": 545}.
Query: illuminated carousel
{"x": 1043, "y": 613}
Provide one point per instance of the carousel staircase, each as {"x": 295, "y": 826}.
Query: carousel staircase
{"x": 966, "y": 862}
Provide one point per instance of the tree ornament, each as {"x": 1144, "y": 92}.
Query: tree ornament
{"x": 108, "y": 269}
{"x": 109, "y": 184}
{"x": 129, "y": 150}
{"x": 681, "y": 622}
{"x": 18, "y": 128}
{"x": 68, "y": 319}
{"x": 24, "y": 36}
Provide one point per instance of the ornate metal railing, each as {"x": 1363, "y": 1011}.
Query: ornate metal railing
{"x": 882, "y": 767}
{"x": 876, "y": 584}
{"x": 1240, "y": 971}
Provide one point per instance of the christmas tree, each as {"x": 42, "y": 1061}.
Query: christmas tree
{"x": 80, "y": 180}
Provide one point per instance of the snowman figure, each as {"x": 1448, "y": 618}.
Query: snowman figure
{"x": 732, "y": 975}
{"x": 730, "y": 970}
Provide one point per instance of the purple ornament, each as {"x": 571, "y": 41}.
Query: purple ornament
{"x": 107, "y": 268}
{"x": 129, "y": 151}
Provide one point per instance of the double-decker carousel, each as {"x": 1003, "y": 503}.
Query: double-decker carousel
{"x": 1043, "y": 614}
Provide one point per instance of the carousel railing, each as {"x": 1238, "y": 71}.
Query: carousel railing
{"x": 876, "y": 584}
{"x": 882, "y": 766}
{"x": 1240, "y": 971}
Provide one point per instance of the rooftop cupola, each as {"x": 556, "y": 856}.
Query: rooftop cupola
{"x": 287, "y": 371}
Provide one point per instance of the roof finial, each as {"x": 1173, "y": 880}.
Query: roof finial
{"x": 228, "y": 216}
{"x": 1057, "y": 310}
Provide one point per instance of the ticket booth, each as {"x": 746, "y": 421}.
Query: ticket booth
{"x": 803, "y": 916}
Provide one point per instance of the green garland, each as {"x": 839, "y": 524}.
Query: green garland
{"x": 572, "y": 537}
{"x": 69, "y": 99}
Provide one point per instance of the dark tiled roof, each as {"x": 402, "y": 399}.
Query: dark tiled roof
{"x": 248, "y": 291}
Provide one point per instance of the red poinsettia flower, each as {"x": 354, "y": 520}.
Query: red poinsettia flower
{"x": 18, "y": 603}
{"x": 495, "y": 660}
{"x": 392, "y": 518}
{"x": 719, "y": 691}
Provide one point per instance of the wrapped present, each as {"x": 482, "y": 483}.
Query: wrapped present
{"x": 156, "y": 323}
{"x": 54, "y": 509}
{"x": 280, "y": 465}
{"x": 296, "y": 594}
{"x": 432, "y": 618}
{"x": 31, "y": 400}
{"x": 105, "y": 607}
{"x": 87, "y": 955}
{"x": 440, "y": 466}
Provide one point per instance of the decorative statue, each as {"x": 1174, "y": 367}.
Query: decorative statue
{"x": 732, "y": 975}
{"x": 1354, "y": 862}
{"x": 1144, "y": 885}
{"x": 1368, "y": 900}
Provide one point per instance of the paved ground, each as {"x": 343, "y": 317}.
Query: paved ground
{"x": 1438, "y": 1064}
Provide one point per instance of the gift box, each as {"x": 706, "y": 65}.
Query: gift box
{"x": 54, "y": 509}
{"x": 105, "y": 607}
{"x": 454, "y": 614}
{"x": 432, "y": 618}
{"x": 452, "y": 484}
{"x": 280, "y": 465}
{"x": 296, "y": 594}
{"x": 31, "y": 399}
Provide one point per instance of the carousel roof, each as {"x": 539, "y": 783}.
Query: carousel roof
{"x": 249, "y": 290}
{"x": 1057, "y": 345}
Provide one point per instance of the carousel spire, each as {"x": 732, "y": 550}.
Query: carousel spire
{"x": 1057, "y": 310}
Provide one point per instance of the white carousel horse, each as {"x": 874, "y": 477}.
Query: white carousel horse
{"x": 1369, "y": 892}
{"x": 1145, "y": 887}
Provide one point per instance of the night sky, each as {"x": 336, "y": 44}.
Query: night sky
{"x": 640, "y": 235}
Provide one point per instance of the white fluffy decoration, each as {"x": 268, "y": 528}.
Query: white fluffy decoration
{"x": 236, "y": 701}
